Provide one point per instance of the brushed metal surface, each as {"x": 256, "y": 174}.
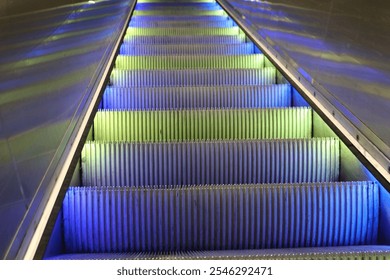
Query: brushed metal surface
{"x": 49, "y": 63}
{"x": 341, "y": 45}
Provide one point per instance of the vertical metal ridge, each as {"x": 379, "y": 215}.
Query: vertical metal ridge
{"x": 137, "y": 164}
{"x": 233, "y": 124}
{"x": 193, "y": 77}
{"x": 139, "y": 219}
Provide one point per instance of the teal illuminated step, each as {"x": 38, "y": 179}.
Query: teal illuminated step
{"x": 199, "y": 49}
{"x": 193, "y": 77}
{"x": 181, "y": 11}
{"x": 251, "y": 61}
{"x": 184, "y": 125}
{"x": 185, "y": 31}
{"x": 188, "y": 23}
{"x": 209, "y": 163}
{"x": 188, "y": 40}
{"x": 221, "y": 97}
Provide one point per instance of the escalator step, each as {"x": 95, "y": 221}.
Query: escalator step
{"x": 206, "y": 162}
{"x": 179, "y": 18}
{"x": 181, "y": 12}
{"x": 192, "y": 125}
{"x": 171, "y": 23}
{"x": 193, "y": 77}
{"x": 315, "y": 253}
{"x": 108, "y": 219}
{"x": 188, "y": 40}
{"x": 176, "y": 1}
{"x": 125, "y": 62}
{"x": 185, "y": 31}
{"x": 154, "y": 50}
{"x": 164, "y": 98}
{"x": 177, "y": 5}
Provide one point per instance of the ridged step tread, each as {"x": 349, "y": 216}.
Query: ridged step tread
{"x": 171, "y": 23}
{"x": 185, "y": 39}
{"x": 180, "y": 18}
{"x": 184, "y": 31}
{"x": 176, "y": 1}
{"x": 222, "y": 97}
{"x": 199, "y": 49}
{"x": 192, "y": 125}
{"x": 251, "y": 61}
{"x": 193, "y": 77}
{"x": 180, "y": 11}
{"x": 228, "y": 217}
{"x": 174, "y": 5}
{"x": 369, "y": 252}
{"x": 210, "y": 162}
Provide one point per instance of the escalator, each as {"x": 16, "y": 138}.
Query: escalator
{"x": 201, "y": 149}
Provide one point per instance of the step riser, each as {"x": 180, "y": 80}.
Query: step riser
{"x": 204, "y": 163}
{"x": 189, "y": 62}
{"x": 177, "y": 31}
{"x": 194, "y": 23}
{"x": 177, "y": 125}
{"x": 165, "y": 98}
{"x": 219, "y": 218}
{"x": 193, "y": 77}
{"x": 187, "y": 40}
{"x": 172, "y": 50}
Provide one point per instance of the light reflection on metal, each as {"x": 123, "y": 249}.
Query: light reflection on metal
{"x": 353, "y": 79}
{"x": 49, "y": 63}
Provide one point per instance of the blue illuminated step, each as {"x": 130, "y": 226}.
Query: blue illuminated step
{"x": 206, "y": 162}
{"x": 172, "y": 23}
{"x": 196, "y": 49}
{"x": 177, "y": 5}
{"x": 193, "y": 77}
{"x": 222, "y": 217}
{"x": 164, "y": 98}
{"x": 179, "y": 18}
{"x": 362, "y": 252}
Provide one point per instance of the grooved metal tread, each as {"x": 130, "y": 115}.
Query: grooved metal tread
{"x": 193, "y": 77}
{"x": 195, "y": 49}
{"x": 184, "y": 125}
{"x": 222, "y": 97}
{"x": 210, "y": 162}
{"x": 317, "y": 253}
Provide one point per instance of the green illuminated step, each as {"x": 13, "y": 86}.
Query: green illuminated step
{"x": 185, "y": 62}
{"x": 177, "y": 31}
{"x": 188, "y": 39}
{"x": 180, "y": 11}
{"x": 183, "y": 125}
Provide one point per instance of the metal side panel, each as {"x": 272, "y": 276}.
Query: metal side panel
{"x": 338, "y": 53}
{"x": 50, "y": 79}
